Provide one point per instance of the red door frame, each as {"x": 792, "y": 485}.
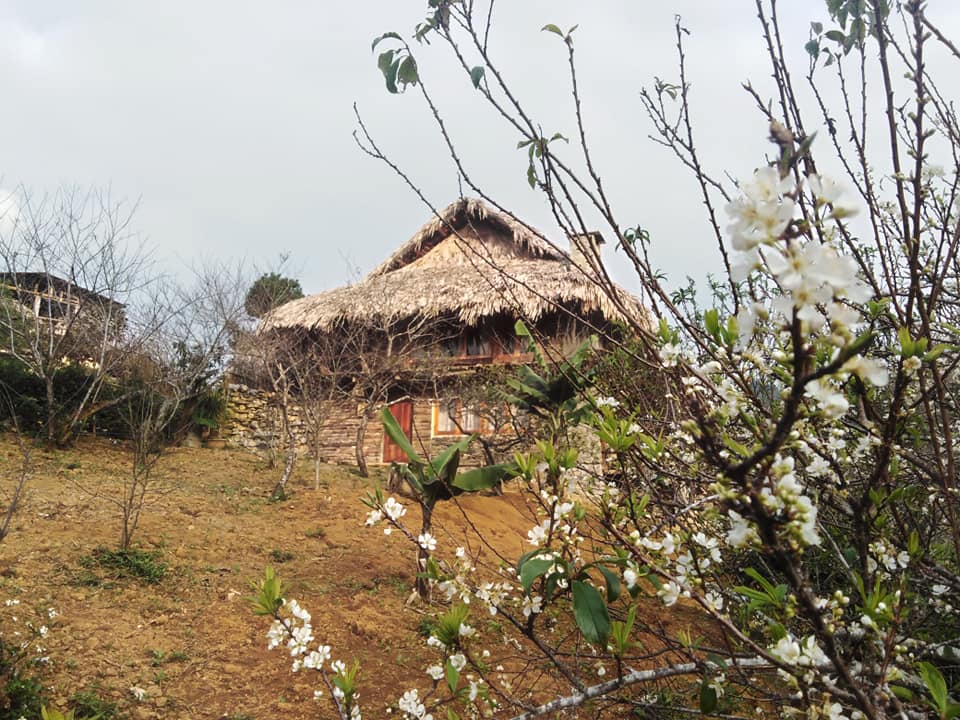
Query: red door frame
{"x": 402, "y": 412}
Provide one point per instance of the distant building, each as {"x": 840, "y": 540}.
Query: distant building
{"x": 37, "y": 306}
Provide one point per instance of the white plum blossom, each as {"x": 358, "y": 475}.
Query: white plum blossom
{"x": 394, "y": 510}
{"x": 315, "y": 659}
{"x": 411, "y": 705}
{"x": 787, "y": 650}
{"x": 466, "y": 630}
{"x": 741, "y": 532}
{"x": 832, "y": 403}
{"x": 458, "y": 661}
{"x": 427, "y": 541}
{"x": 435, "y": 672}
{"x": 630, "y": 578}
{"x": 912, "y": 364}
{"x": 670, "y": 354}
{"x": 532, "y": 605}
{"x": 669, "y": 592}
{"x": 763, "y": 212}
{"x": 538, "y": 534}
{"x": 714, "y": 600}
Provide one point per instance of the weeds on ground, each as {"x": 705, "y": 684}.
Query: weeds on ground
{"x": 133, "y": 563}
{"x": 281, "y": 556}
{"x": 90, "y": 705}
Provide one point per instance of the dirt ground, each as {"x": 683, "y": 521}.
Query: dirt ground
{"x": 191, "y": 641}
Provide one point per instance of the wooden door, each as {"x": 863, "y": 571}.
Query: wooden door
{"x": 403, "y": 413}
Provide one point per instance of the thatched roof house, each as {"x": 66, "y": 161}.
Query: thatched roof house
{"x": 469, "y": 263}
{"x": 442, "y": 305}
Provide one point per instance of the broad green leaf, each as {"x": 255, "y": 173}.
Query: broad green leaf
{"x": 453, "y": 676}
{"x": 590, "y": 612}
{"x": 385, "y": 60}
{"x": 444, "y": 466}
{"x": 533, "y": 569}
{"x": 393, "y": 429}
{"x": 708, "y": 698}
{"x": 613, "y": 582}
{"x": 407, "y": 73}
{"x": 550, "y": 27}
{"x": 935, "y": 683}
{"x": 484, "y": 478}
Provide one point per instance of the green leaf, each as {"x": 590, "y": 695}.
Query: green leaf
{"x": 393, "y": 429}
{"x": 390, "y": 75}
{"x": 444, "y": 466}
{"x": 812, "y": 47}
{"x": 407, "y": 73}
{"x": 453, "y": 676}
{"x": 816, "y": 27}
{"x": 550, "y": 27}
{"x": 484, "y": 478}
{"x": 711, "y": 320}
{"x": 935, "y": 683}
{"x": 533, "y": 569}
{"x": 708, "y": 698}
{"x": 835, "y": 35}
{"x": 902, "y": 692}
{"x": 385, "y": 36}
{"x": 613, "y": 582}
{"x": 938, "y": 350}
{"x": 590, "y": 612}
{"x": 476, "y": 75}
{"x": 907, "y": 346}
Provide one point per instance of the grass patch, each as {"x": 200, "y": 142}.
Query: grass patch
{"x": 317, "y": 532}
{"x": 281, "y": 556}
{"x": 132, "y": 563}
{"x": 89, "y": 704}
{"x": 161, "y": 657}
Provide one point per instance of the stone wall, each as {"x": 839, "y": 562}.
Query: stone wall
{"x": 253, "y": 423}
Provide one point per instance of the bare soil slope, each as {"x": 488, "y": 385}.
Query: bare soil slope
{"x": 190, "y": 641}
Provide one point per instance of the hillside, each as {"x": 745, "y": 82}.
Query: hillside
{"x": 190, "y": 641}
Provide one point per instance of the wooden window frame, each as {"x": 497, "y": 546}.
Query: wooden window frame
{"x": 438, "y": 408}
{"x": 483, "y": 428}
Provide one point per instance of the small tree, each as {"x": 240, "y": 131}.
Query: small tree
{"x": 178, "y": 363}
{"x": 269, "y": 291}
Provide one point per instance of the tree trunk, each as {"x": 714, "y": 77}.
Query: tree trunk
{"x": 316, "y": 463}
{"x": 280, "y": 490}
{"x": 422, "y": 553}
{"x": 51, "y": 411}
{"x": 361, "y": 434}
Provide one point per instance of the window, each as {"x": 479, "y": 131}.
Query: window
{"x": 477, "y": 345}
{"x": 452, "y": 417}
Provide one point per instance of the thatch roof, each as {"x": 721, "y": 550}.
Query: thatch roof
{"x": 491, "y": 265}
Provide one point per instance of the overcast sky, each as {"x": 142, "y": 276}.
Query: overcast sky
{"x": 231, "y": 121}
